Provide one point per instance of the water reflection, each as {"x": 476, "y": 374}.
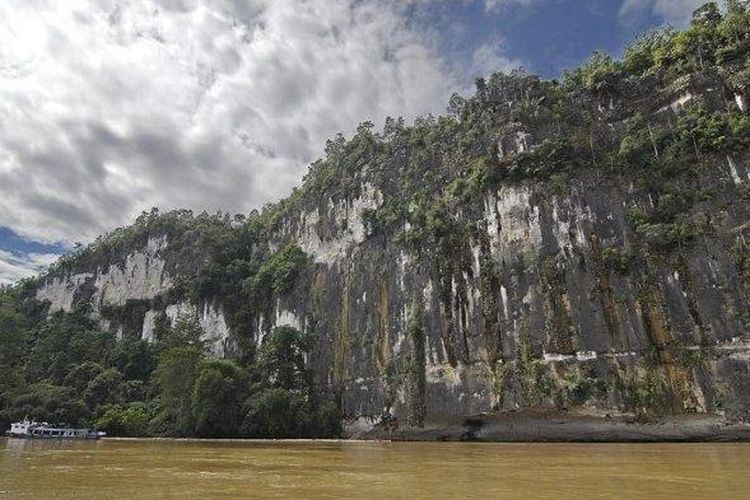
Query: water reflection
{"x": 46, "y": 444}
{"x": 197, "y": 469}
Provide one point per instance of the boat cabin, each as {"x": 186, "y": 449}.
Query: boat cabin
{"x": 20, "y": 427}
{"x": 58, "y": 432}
{"x": 43, "y": 430}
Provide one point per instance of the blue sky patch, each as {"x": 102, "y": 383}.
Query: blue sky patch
{"x": 547, "y": 36}
{"x": 11, "y": 242}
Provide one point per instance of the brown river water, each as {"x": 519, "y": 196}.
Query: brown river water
{"x": 347, "y": 469}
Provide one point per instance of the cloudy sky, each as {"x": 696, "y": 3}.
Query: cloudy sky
{"x": 110, "y": 107}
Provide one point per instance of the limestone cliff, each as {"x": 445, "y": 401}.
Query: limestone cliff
{"x": 549, "y": 245}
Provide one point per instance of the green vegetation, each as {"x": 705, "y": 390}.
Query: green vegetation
{"x": 617, "y": 258}
{"x": 744, "y": 190}
{"x": 580, "y": 387}
{"x": 66, "y": 369}
{"x": 712, "y": 39}
{"x": 282, "y": 401}
{"x": 130, "y": 420}
{"x": 415, "y": 370}
{"x": 69, "y": 368}
{"x": 276, "y": 275}
{"x": 549, "y": 157}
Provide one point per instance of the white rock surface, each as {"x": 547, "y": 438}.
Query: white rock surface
{"x": 740, "y": 100}
{"x": 60, "y": 291}
{"x": 734, "y": 171}
{"x": 140, "y": 277}
{"x": 211, "y": 320}
{"x": 149, "y": 322}
{"x": 347, "y": 215}
{"x": 512, "y": 222}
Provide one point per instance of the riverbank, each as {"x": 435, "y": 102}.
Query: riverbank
{"x": 529, "y": 426}
{"x": 536, "y": 426}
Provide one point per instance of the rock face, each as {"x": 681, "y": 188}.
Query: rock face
{"x": 129, "y": 295}
{"x": 533, "y": 314}
{"x": 139, "y": 276}
{"x": 530, "y": 312}
{"x": 434, "y": 290}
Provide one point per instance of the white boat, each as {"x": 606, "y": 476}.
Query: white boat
{"x": 42, "y": 430}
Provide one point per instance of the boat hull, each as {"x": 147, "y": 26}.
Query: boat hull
{"x": 66, "y": 438}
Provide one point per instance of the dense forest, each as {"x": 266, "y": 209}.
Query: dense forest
{"x": 69, "y": 367}
{"x": 65, "y": 369}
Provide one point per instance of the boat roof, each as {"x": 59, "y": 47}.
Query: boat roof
{"x": 47, "y": 426}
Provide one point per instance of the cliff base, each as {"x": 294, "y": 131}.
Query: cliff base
{"x": 545, "y": 426}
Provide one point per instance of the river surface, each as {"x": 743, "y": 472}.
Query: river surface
{"x": 346, "y": 469}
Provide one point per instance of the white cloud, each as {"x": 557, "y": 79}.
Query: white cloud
{"x": 676, "y": 12}
{"x": 111, "y": 107}
{"x": 489, "y": 58}
{"x": 493, "y": 4}
{"x": 15, "y": 267}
